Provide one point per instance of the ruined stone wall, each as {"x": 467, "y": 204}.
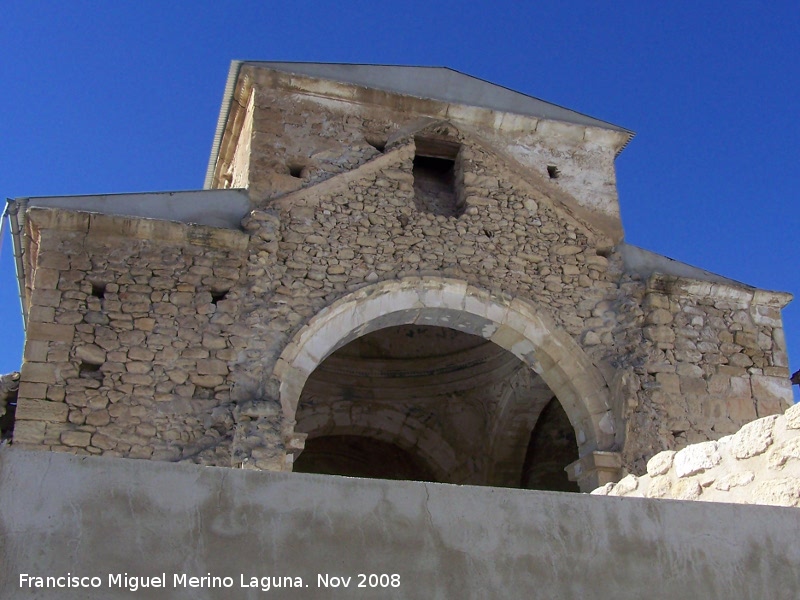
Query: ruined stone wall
{"x": 759, "y": 464}
{"x": 160, "y": 340}
{"x": 610, "y": 313}
{"x": 716, "y": 359}
{"x": 304, "y": 131}
{"x": 314, "y": 246}
{"x": 124, "y": 353}
{"x": 166, "y": 392}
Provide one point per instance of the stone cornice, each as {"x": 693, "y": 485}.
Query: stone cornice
{"x": 694, "y": 288}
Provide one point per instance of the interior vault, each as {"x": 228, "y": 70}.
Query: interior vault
{"x": 427, "y": 403}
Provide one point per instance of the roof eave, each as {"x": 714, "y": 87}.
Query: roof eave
{"x": 222, "y": 120}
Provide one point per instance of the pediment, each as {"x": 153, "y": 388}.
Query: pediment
{"x": 487, "y": 180}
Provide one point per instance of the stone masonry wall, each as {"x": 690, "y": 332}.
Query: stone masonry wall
{"x": 361, "y": 227}
{"x": 615, "y": 316}
{"x": 158, "y": 340}
{"x": 314, "y": 246}
{"x": 716, "y": 359}
{"x": 305, "y": 131}
{"x": 760, "y": 464}
{"x": 124, "y": 354}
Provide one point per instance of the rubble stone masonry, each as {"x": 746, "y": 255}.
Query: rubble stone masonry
{"x": 162, "y": 340}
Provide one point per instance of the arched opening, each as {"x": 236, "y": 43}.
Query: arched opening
{"x": 555, "y": 363}
{"x": 360, "y": 456}
{"x": 551, "y": 448}
{"x": 427, "y": 403}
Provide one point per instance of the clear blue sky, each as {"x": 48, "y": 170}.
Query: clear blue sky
{"x": 122, "y": 96}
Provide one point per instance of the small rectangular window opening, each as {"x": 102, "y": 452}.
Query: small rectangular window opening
{"x": 435, "y": 177}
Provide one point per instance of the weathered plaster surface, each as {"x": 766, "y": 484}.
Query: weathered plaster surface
{"x": 86, "y": 515}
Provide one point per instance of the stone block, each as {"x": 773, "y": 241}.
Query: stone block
{"x": 792, "y": 416}
{"x": 741, "y": 408}
{"x": 778, "y": 492}
{"x": 79, "y": 439}
{"x": 693, "y": 385}
{"x": 45, "y": 279}
{"x": 686, "y": 489}
{"x": 696, "y": 458}
{"x": 36, "y": 350}
{"x": 670, "y": 382}
{"x": 41, "y": 314}
{"x": 206, "y": 381}
{"x": 660, "y": 487}
{"x": 41, "y": 410}
{"x": 50, "y": 332}
{"x": 103, "y": 441}
{"x": 43, "y": 297}
{"x": 719, "y": 385}
{"x": 211, "y": 367}
{"x": 214, "y": 342}
{"x": 137, "y": 367}
{"x": 659, "y": 334}
{"x": 39, "y": 372}
{"x": 784, "y": 452}
{"x": 772, "y": 391}
{"x": 98, "y": 418}
{"x": 740, "y": 360}
{"x": 29, "y": 389}
{"x": 731, "y": 480}
{"x": 625, "y": 486}
{"x": 752, "y": 439}
{"x": 659, "y": 316}
{"x": 660, "y": 463}
{"x": 688, "y": 370}
{"x": 29, "y": 432}
{"x": 90, "y": 354}
{"x": 746, "y": 339}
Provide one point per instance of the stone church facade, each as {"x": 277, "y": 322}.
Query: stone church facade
{"x": 394, "y": 272}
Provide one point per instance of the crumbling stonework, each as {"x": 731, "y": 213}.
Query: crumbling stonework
{"x": 9, "y": 386}
{"x": 183, "y": 342}
{"x": 759, "y": 464}
{"x": 124, "y": 354}
{"x": 716, "y": 359}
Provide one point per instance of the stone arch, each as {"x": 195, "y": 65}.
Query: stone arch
{"x": 433, "y": 450}
{"x": 514, "y": 324}
{"x": 364, "y": 456}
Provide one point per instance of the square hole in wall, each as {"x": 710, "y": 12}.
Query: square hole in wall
{"x": 435, "y": 177}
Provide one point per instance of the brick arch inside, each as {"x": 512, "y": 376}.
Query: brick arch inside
{"x": 513, "y": 324}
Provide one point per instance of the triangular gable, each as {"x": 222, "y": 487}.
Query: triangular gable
{"x": 401, "y": 149}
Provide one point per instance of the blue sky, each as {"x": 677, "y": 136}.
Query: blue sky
{"x": 103, "y": 97}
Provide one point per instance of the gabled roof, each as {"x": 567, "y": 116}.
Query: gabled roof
{"x": 435, "y": 83}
